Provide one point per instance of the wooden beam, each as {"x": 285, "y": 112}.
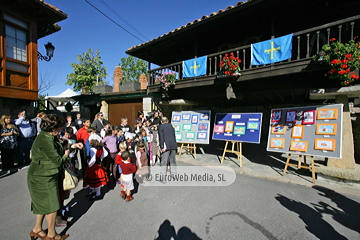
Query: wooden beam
{"x": 306, "y": 95}
{"x": 257, "y": 96}
{"x": 268, "y": 97}
{"x": 281, "y": 97}
{"x": 292, "y": 94}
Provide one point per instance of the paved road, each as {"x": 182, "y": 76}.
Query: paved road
{"x": 250, "y": 208}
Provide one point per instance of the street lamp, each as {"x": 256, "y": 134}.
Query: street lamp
{"x": 49, "y": 52}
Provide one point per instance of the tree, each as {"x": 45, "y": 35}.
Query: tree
{"x": 46, "y": 82}
{"x": 88, "y": 71}
{"x": 132, "y": 68}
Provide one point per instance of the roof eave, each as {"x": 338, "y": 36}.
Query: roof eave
{"x": 193, "y": 25}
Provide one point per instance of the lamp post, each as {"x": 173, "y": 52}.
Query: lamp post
{"x": 49, "y": 52}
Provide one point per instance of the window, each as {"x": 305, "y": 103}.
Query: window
{"x": 15, "y": 43}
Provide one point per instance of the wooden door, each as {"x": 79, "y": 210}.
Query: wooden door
{"x": 119, "y": 110}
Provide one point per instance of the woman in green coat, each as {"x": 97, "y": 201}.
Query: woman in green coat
{"x": 48, "y": 157}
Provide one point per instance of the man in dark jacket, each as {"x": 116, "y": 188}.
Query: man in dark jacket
{"x": 100, "y": 122}
{"x": 168, "y": 147}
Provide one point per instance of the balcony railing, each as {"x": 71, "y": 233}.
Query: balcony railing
{"x": 306, "y": 43}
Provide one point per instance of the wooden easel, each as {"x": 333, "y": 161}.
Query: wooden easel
{"x": 299, "y": 165}
{"x": 191, "y": 147}
{"x": 238, "y": 152}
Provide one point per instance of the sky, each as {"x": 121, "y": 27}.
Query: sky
{"x": 87, "y": 28}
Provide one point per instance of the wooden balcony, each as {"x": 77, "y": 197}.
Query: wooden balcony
{"x": 306, "y": 43}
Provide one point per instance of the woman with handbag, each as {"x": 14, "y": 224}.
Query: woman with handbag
{"x": 8, "y": 142}
{"x": 48, "y": 157}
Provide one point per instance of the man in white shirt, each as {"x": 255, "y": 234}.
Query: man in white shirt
{"x": 27, "y": 130}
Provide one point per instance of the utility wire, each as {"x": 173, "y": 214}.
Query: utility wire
{"x": 111, "y": 9}
{"x": 114, "y": 21}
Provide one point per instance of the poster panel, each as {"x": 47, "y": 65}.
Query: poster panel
{"x": 241, "y": 127}
{"x": 311, "y": 130}
{"x": 191, "y": 126}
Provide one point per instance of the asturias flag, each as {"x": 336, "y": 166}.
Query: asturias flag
{"x": 273, "y": 50}
{"x": 194, "y": 67}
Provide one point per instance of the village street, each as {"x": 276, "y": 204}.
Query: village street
{"x": 250, "y": 208}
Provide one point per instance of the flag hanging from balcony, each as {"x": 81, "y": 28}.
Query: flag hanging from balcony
{"x": 194, "y": 67}
{"x": 271, "y": 51}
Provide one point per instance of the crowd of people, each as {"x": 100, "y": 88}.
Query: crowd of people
{"x": 98, "y": 153}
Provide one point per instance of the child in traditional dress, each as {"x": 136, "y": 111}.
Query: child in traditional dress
{"x": 141, "y": 160}
{"x": 127, "y": 176}
{"x": 95, "y": 174}
{"x": 118, "y": 160}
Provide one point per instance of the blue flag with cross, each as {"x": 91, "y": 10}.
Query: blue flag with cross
{"x": 194, "y": 67}
{"x": 271, "y": 51}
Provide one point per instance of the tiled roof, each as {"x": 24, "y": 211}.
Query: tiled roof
{"x": 52, "y": 7}
{"x": 191, "y": 23}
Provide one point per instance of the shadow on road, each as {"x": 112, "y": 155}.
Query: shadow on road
{"x": 313, "y": 219}
{"x": 80, "y": 204}
{"x": 257, "y": 153}
{"x": 167, "y": 232}
{"x": 348, "y": 216}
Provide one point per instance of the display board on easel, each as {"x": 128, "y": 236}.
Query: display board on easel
{"x": 236, "y": 128}
{"x": 191, "y": 126}
{"x": 312, "y": 130}
{"x": 239, "y": 127}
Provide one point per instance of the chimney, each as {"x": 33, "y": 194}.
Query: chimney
{"x": 117, "y": 78}
{"x": 143, "y": 81}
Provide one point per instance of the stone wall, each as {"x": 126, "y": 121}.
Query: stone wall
{"x": 356, "y": 134}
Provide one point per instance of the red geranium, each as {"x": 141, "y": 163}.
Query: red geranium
{"x": 335, "y": 61}
{"x": 342, "y": 58}
{"x": 356, "y": 77}
{"x": 230, "y": 65}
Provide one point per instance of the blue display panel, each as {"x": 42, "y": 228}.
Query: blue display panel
{"x": 241, "y": 127}
{"x": 191, "y": 126}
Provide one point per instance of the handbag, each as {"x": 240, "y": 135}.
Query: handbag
{"x": 70, "y": 180}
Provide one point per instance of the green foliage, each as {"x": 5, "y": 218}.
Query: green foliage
{"x": 166, "y": 79}
{"x": 230, "y": 65}
{"x": 132, "y": 68}
{"x": 87, "y": 70}
{"x": 41, "y": 101}
{"x": 343, "y": 58}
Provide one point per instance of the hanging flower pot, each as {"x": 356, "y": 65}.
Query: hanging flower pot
{"x": 167, "y": 92}
{"x": 230, "y": 66}
{"x": 343, "y": 58}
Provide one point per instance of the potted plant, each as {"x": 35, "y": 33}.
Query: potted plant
{"x": 166, "y": 80}
{"x": 343, "y": 58}
{"x": 230, "y": 66}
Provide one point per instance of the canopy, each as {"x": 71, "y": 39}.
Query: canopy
{"x": 64, "y": 96}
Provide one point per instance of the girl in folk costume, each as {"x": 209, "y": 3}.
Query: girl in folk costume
{"x": 95, "y": 174}
{"x": 127, "y": 176}
{"x": 141, "y": 160}
{"x": 122, "y": 147}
